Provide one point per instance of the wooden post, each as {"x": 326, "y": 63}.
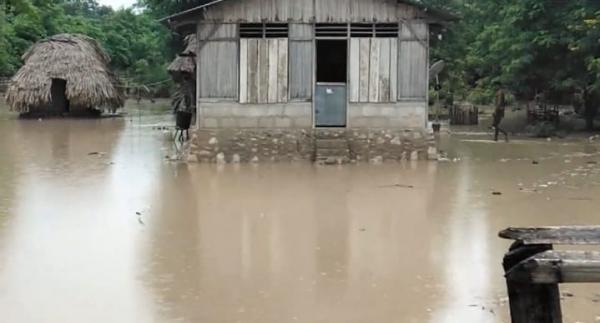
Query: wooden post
{"x": 531, "y": 303}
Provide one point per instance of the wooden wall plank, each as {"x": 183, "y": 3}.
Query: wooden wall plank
{"x": 301, "y": 31}
{"x": 243, "y": 70}
{"x": 227, "y": 85}
{"x": 218, "y": 77}
{"x": 393, "y": 70}
{"x": 272, "y": 66}
{"x": 282, "y": 71}
{"x": 309, "y": 10}
{"x": 301, "y": 69}
{"x": 365, "y": 50}
{"x": 354, "y": 65}
{"x": 384, "y": 69}
{"x": 253, "y": 77}
{"x": 263, "y": 71}
{"x": 413, "y": 66}
{"x": 261, "y": 10}
{"x": 374, "y": 71}
{"x": 207, "y": 69}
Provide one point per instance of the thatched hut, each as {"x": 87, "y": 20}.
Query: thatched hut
{"x": 185, "y": 63}
{"x": 183, "y": 72}
{"x": 64, "y": 74}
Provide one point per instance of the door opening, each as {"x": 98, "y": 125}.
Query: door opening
{"x": 330, "y": 92}
{"x": 58, "y": 90}
{"x": 332, "y": 57}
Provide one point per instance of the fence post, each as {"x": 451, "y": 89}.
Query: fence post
{"x": 531, "y": 303}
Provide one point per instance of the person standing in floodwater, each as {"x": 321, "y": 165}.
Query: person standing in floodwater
{"x": 499, "y": 114}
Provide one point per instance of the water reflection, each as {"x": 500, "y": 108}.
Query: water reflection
{"x": 121, "y": 235}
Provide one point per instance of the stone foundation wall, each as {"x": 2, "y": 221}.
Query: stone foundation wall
{"x": 255, "y": 145}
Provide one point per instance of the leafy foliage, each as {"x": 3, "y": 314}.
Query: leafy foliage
{"x": 136, "y": 41}
{"x": 529, "y": 46}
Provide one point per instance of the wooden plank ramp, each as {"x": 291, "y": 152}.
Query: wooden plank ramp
{"x": 565, "y": 235}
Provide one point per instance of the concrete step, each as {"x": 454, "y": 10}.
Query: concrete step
{"x": 329, "y": 134}
{"x": 331, "y": 143}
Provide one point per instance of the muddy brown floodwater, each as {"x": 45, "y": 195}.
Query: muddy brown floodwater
{"x": 122, "y": 235}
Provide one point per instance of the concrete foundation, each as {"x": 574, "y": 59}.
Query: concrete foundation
{"x": 284, "y": 145}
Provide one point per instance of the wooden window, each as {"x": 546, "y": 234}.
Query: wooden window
{"x": 388, "y": 30}
{"x": 331, "y": 30}
{"x": 274, "y": 30}
{"x": 263, "y": 70}
{"x": 373, "y": 69}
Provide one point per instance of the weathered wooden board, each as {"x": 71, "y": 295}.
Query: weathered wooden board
{"x": 261, "y": 10}
{"x": 374, "y": 71}
{"x": 301, "y": 31}
{"x": 218, "y": 70}
{"x": 305, "y": 11}
{"x": 243, "y": 70}
{"x": 301, "y": 70}
{"x": 282, "y": 70}
{"x": 272, "y": 66}
{"x": 364, "y": 70}
{"x": 253, "y": 77}
{"x": 227, "y": 85}
{"x": 219, "y": 31}
{"x": 414, "y": 30}
{"x": 354, "y": 66}
{"x": 554, "y": 267}
{"x": 393, "y": 70}
{"x": 263, "y": 71}
{"x": 412, "y": 70}
{"x": 384, "y": 69}
{"x": 567, "y": 235}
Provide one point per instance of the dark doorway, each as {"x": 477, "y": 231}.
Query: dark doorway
{"x": 330, "y": 92}
{"x": 59, "y": 104}
{"x": 332, "y": 55}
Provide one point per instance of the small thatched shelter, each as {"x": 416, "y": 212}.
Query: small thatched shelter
{"x": 185, "y": 63}
{"x": 64, "y": 74}
{"x": 183, "y": 72}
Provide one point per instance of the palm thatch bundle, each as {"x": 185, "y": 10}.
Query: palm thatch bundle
{"x": 186, "y": 61}
{"x": 77, "y": 59}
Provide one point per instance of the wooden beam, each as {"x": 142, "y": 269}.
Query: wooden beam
{"x": 567, "y": 235}
{"x": 555, "y": 267}
{"x": 530, "y": 303}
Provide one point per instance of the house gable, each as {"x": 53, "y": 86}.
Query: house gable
{"x": 306, "y": 11}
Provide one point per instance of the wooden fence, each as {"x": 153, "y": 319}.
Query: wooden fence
{"x": 464, "y": 115}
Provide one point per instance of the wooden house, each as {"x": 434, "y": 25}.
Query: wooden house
{"x": 311, "y": 64}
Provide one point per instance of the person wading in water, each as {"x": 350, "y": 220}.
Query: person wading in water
{"x": 499, "y": 114}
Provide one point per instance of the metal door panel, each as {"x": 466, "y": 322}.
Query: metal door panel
{"x": 330, "y": 105}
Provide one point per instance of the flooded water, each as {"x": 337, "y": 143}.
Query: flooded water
{"x": 96, "y": 226}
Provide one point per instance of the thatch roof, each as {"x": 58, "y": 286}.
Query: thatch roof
{"x": 186, "y": 61}
{"x": 77, "y": 59}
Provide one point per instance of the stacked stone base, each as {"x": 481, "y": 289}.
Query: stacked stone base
{"x": 285, "y": 145}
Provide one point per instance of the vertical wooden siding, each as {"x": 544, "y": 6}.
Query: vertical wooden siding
{"x": 301, "y": 61}
{"x": 263, "y": 70}
{"x": 217, "y": 70}
{"x": 373, "y": 66}
{"x": 413, "y": 68}
{"x": 311, "y": 10}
